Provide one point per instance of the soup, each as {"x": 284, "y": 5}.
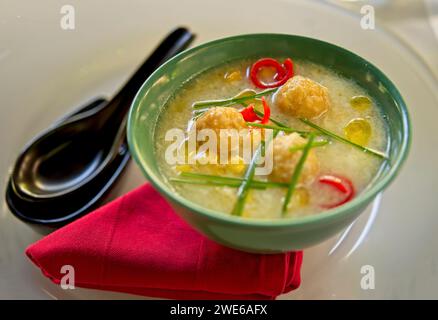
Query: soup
{"x": 320, "y": 135}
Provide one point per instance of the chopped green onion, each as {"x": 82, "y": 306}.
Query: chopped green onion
{"x": 230, "y": 101}
{"x": 197, "y": 115}
{"x": 278, "y": 123}
{"x": 315, "y": 144}
{"x": 296, "y": 174}
{"x": 280, "y": 128}
{"x": 341, "y": 139}
{"x": 235, "y": 179}
{"x": 207, "y": 176}
{"x": 214, "y": 183}
{"x": 202, "y": 177}
{"x": 243, "y": 191}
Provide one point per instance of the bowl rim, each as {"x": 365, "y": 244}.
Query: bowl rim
{"x": 321, "y": 217}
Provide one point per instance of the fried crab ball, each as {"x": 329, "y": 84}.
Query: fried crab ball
{"x": 223, "y": 118}
{"x": 218, "y": 118}
{"x": 302, "y": 97}
{"x": 285, "y": 161}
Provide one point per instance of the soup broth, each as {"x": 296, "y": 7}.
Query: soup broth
{"x": 352, "y": 114}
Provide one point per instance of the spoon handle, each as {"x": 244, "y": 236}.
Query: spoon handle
{"x": 175, "y": 42}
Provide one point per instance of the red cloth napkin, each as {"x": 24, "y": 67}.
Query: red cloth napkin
{"x": 137, "y": 244}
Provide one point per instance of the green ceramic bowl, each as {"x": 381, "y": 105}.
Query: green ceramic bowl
{"x": 265, "y": 236}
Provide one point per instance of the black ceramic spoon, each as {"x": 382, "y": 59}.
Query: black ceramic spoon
{"x": 66, "y": 170}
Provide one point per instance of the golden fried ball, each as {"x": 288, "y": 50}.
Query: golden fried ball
{"x": 285, "y": 161}
{"x": 303, "y": 97}
{"x": 222, "y": 118}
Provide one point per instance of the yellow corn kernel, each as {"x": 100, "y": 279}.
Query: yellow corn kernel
{"x": 220, "y": 169}
{"x": 358, "y": 131}
{"x": 214, "y": 169}
{"x": 236, "y": 168}
{"x": 183, "y": 168}
{"x": 360, "y": 103}
{"x": 233, "y": 76}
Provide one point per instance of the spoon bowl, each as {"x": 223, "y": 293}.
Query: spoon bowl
{"x": 44, "y": 170}
{"x": 66, "y": 171}
{"x": 42, "y": 211}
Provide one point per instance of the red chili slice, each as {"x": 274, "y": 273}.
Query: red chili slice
{"x": 343, "y": 185}
{"x": 249, "y": 114}
{"x": 266, "y": 111}
{"x": 284, "y": 72}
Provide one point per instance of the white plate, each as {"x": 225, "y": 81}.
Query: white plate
{"x": 45, "y": 71}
